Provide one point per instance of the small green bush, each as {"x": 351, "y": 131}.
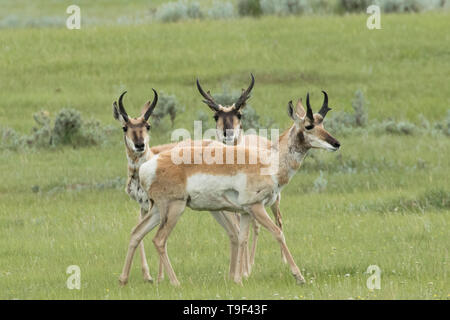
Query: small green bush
{"x": 204, "y": 118}
{"x": 359, "y": 106}
{"x": 180, "y": 10}
{"x": 41, "y": 135}
{"x": 68, "y": 129}
{"x": 342, "y": 121}
{"x": 391, "y": 5}
{"x": 320, "y": 184}
{"x": 284, "y": 7}
{"x": 167, "y": 106}
{"x": 249, "y": 8}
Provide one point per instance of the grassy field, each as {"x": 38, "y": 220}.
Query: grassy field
{"x": 386, "y": 200}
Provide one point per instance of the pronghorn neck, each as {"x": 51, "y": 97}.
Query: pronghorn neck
{"x": 136, "y": 160}
{"x": 292, "y": 152}
{"x": 133, "y": 188}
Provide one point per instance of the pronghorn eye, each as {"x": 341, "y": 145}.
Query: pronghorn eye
{"x": 124, "y": 129}
{"x": 239, "y": 116}
{"x": 147, "y": 126}
{"x": 309, "y": 127}
{"x": 216, "y": 117}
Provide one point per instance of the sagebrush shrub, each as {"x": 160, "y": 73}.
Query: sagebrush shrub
{"x": 41, "y": 135}
{"x": 67, "y": 126}
{"x": 221, "y": 10}
{"x": 167, "y": 106}
{"x": 359, "y": 106}
{"x": 67, "y": 129}
{"x": 354, "y": 5}
{"x": 320, "y": 184}
{"x": 179, "y": 10}
{"x": 249, "y": 8}
{"x": 391, "y": 5}
{"x": 284, "y": 7}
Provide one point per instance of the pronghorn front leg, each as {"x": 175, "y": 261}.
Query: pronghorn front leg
{"x": 145, "y": 269}
{"x": 137, "y": 234}
{"x": 169, "y": 217}
{"x": 259, "y": 213}
{"x": 275, "y": 208}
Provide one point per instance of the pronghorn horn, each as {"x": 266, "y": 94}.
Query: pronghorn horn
{"x": 150, "y": 109}
{"x": 121, "y": 108}
{"x": 323, "y": 111}
{"x": 209, "y": 99}
{"x": 245, "y": 95}
{"x": 309, "y": 113}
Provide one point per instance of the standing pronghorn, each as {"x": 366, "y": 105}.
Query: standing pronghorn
{"x": 231, "y": 187}
{"x": 229, "y": 131}
{"x": 138, "y": 150}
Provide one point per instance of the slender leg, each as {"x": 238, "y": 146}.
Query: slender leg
{"x": 228, "y": 222}
{"x": 169, "y": 220}
{"x": 160, "y": 272}
{"x": 137, "y": 234}
{"x": 275, "y": 208}
{"x": 260, "y": 214}
{"x": 256, "y": 228}
{"x": 243, "y": 238}
{"x": 145, "y": 269}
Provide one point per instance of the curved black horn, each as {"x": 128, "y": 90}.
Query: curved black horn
{"x": 309, "y": 113}
{"x": 150, "y": 109}
{"x": 121, "y": 108}
{"x": 323, "y": 111}
{"x": 209, "y": 100}
{"x": 245, "y": 95}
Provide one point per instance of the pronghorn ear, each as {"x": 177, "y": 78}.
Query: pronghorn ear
{"x": 117, "y": 114}
{"x": 291, "y": 112}
{"x": 300, "y": 109}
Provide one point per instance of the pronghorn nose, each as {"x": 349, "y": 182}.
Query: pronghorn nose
{"x": 336, "y": 144}
{"x": 139, "y": 146}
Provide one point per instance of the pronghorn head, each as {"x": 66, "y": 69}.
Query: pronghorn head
{"x": 228, "y": 118}
{"x": 135, "y": 129}
{"x": 309, "y": 130}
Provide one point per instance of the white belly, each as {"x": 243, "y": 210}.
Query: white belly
{"x": 211, "y": 192}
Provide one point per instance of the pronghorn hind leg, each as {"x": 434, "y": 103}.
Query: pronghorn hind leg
{"x": 275, "y": 208}
{"x": 259, "y": 213}
{"x": 256, "y": 228}
{"x": 169, "y": 219}
{"x": 230, "y": 224}
{"x": 145, "y": 269}
{"x": 243, "y": 241}
{"x": 137, "y": 234}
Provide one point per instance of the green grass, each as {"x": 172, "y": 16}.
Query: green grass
{"x": 387, "y": 197}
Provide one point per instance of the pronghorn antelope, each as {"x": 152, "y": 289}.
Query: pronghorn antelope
{"x": 231, "y": 187}
{"x": 229, "y": 130}
{"x": 138, "y": 151}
